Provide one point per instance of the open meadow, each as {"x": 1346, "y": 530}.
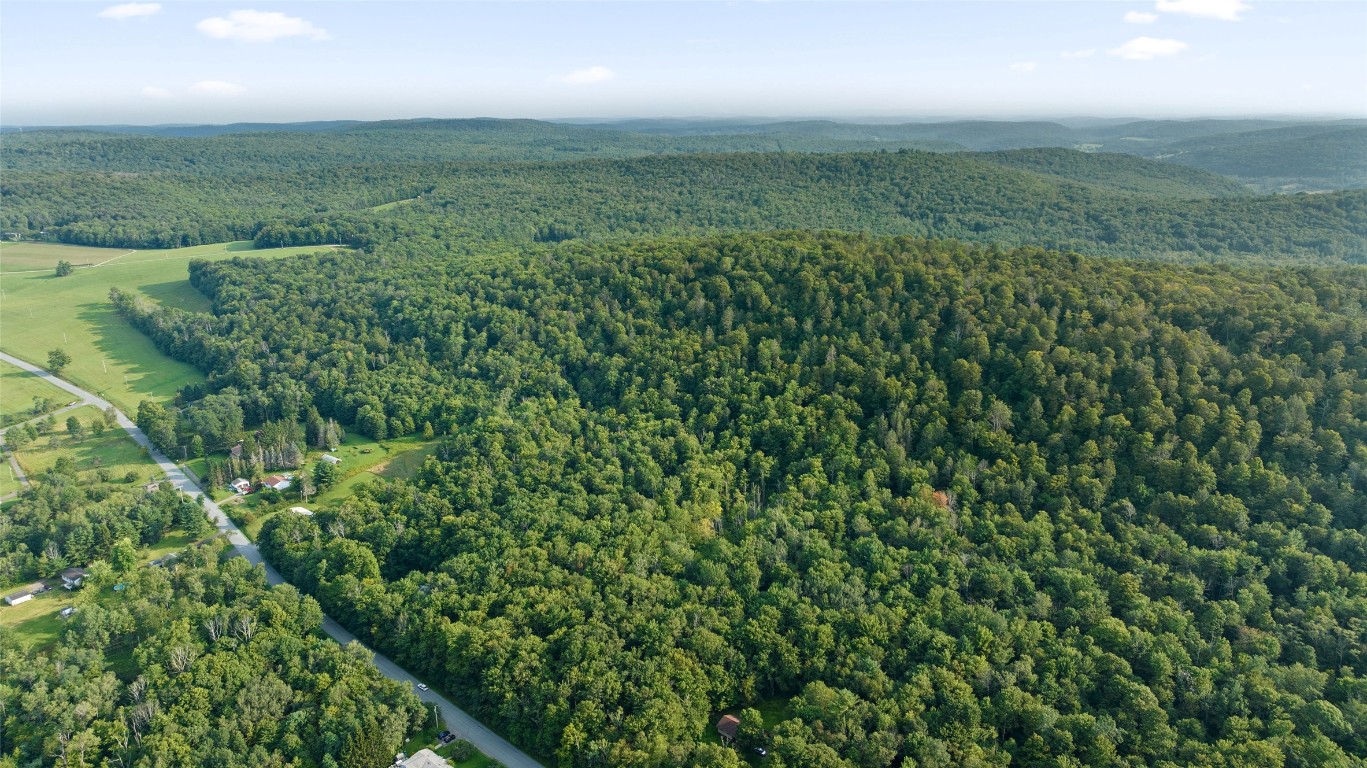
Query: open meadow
{"x": 28, "y": 257}
{"x": 19, "y": 390}
{"x": 40, "y": 311}
{"x": 113, "y": 451}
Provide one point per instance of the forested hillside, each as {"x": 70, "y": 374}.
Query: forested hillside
{"x": 953, "y": 504}
{"x": 213, "y": 669}
{"x": 1095, "y": 204}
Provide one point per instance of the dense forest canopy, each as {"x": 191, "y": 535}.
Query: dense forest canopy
{"x": 958, "y": 505}
{"x": 1095, "y": 204}
{"x": 215, "y": 669}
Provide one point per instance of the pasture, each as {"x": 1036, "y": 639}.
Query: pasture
{"x": 28, "y": 257}
{"x": 40, "y": 311}
{"x": 113, "y": 451}
{"x": 18, "y": 391}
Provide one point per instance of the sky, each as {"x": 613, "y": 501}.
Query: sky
{"x": 78, "y": 63}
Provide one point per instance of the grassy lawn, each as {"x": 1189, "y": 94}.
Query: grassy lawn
{"x": 365, "y": 460}
{"x": 22, "y": 257}
{"x": 40, "y": 311}
{"x": 8, "y": 482}
{"x": 171, "y": 542}
{"x": 18, "y": 390}
{"x": 36, "y": 623}
{"x": 427, "y": 739}
{"x": 114, "y": 450}
{"x": 774, "y": 711}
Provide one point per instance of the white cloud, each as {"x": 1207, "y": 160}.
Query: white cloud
{"x": 1138, "y": 17}
{"x": 129, "y": 10}
{"x": 1143, "y": 48}
{"x": 1228, "y": 10}
{"x": 589, "y": 75}
{"x": 155, "y": 92}
{"x": 259, "y": 27}
{"x": 1085, "y": 53}
{"x": 1024, "y": 66}
{"x": 216, "y": 88}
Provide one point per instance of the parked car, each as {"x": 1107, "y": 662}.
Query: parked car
{"x": 422, "y": 686}
{"x": 761, "y": 751}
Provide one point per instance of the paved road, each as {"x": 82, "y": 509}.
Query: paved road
{"x": 457, "y": 719}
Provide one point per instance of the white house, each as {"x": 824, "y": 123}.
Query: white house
{"x": 72, "y": 577}
{"x": 276, "y": 482}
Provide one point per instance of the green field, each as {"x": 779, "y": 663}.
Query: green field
{"x": 25, "y": 257}
{"x": 36, "y": 623}
{"x": 364, "y": 460}
{"x": 18, "y": 390}
{"x": 39, "y": 311}
{"x": 114, "y": 450}
{"x": 8, "y": 482}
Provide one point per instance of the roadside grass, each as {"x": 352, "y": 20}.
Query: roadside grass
{"x": 8, "y": 482}
{"x": 427, "y": 739}
{"x": 19, "y": 389}
{"x": 41, "y": 311}
{"x": 114, "y": 451}
{"x": 21, "y": 257}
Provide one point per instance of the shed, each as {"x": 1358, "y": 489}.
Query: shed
{"x": 22, "y": 596}
{"x": 329, "y": 458}
{"x": 67, "y": 611}
{"x": 727, "y": 727}
{"x": 241, "y": 485}
{"x": 302, "y": 511}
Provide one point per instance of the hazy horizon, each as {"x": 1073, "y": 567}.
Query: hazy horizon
{"x": 211, "y": 63}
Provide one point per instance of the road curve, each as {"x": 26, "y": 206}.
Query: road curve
{"x": 457, "y": 720}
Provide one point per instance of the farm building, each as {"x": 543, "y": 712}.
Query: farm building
{"x": 22, "y": 596}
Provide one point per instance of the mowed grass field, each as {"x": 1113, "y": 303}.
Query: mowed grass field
{"x": 19, "y": 388}
{"x": 23, "y": 257}
{"x": 114, "y": 450}
{"x": 40, "y": 311}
